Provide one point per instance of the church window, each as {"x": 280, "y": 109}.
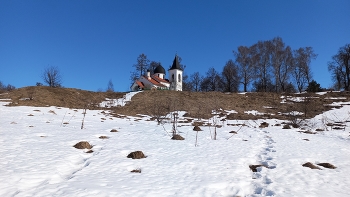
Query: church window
{"x": 179, "y": 78}
{"x": 172, "y": 76}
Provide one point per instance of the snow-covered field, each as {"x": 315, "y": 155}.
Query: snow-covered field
{"x": 37, "y": 157}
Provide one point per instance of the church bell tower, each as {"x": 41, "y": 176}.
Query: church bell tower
{"x": 175, "y": 75}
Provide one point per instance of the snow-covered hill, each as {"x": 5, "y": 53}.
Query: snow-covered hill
{"x": 37, "y": 157}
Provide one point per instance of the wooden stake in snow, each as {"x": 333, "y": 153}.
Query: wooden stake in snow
{"x": 82, "y": 123}
{"x": 196, "y": 128}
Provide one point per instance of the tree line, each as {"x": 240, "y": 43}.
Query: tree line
{"x": 266, "y": 66}
{"x": 4, "y": 87}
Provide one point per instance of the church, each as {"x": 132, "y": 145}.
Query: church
{"x": 158, "y": 81}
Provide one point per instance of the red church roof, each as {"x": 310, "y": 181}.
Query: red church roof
{"x": 139, "y": 83}
{"x": 154, "y": 82}
{"x": 159, "y": 79}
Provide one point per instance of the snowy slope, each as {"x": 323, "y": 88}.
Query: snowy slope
{"x": 37, "y": 157}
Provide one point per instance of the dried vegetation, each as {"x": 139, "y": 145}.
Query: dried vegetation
{"x": 196, "y": 104}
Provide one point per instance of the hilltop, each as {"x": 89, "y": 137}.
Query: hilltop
{"x": 42, "y": 96}
{"x": 197, "y": 104}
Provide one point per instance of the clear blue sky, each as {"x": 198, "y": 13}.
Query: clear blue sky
{"x": 94, "y": 41}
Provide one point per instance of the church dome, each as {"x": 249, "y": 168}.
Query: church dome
{"x": 159, "y": 69}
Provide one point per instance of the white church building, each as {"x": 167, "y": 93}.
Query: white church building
{"x": 158, "y": 81}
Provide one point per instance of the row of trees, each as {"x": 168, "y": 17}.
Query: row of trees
{"x": 4, "y": 87}
{"x": 267, "y": 66}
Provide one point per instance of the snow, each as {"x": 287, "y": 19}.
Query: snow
{"x": 254, "y": 112}
{"x": 37, "y": 157}
{"x": 336, "y": 98}
{"x": 321, "y": 93}
{"x": 118, "y": 102}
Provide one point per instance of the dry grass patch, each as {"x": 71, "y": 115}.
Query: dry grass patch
{"x": 177, "y": 137}
{"x": 103, "y": 137}
{"x": 327, "y": 165}
{"x": 89, "y": 151}
{"x": 201, "y": 104}
{"x": 286, "y": 126}
{"x": 60, "y": 97}
{"x": 197, "y": 128}
{"x": 114, "y": 130}
{"x": 196, "y": 104}
{"x": 136, "y": 155}
{"x": 310, "y": 165}
{"x": 30, "y": 115}
{"x": 83, "y": 145}
{"x": 198, "y": 123}
{"x": 264, "y": 125}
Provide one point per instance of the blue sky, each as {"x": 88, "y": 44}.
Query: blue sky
{"x": 92, "y": 42}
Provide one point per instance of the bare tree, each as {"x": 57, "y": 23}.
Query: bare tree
{"x": 205, "y": 85}
{"x": 261, "y": 59}
{"x": 195, "y": 80}
{"x": 142, "y": 64}
{"x": 52, "y": 76}
{"x": 338, "y": 73}
{"x": 301, "y": 65}
{"x": 4, "y": 88}
{"x": 230, "y": 79}
{"x": 245, "y": 65}
{"x": 340, "y": 68}
{"x": 212, "y": 80}
{"x": 133, "y": 76}
{"x": 110, "y": 86}
{"x": 281, "y": 63}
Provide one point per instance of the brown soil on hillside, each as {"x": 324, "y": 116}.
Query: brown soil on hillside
{"x": 196, "y": 104}
{"x": 41, "y": 96}
{"x": 201, "y": 104}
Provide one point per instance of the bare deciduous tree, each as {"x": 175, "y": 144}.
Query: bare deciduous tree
{"x": 301, "y": 65}
{"x": 261, "y": 59}
{"x": 110, "y": 86}
{"x": 4, "y": 88}
{"x": 340, "y": 68}
{"x": 142, "y": 64}
{"x": 212, "y": 80}
{"x": 230, "y": 79}
{"x": 281, "y": 63}
{"x": 246, "y": 67}
{"x": 52, "y": 76}
{"x": 195, "y": 80}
